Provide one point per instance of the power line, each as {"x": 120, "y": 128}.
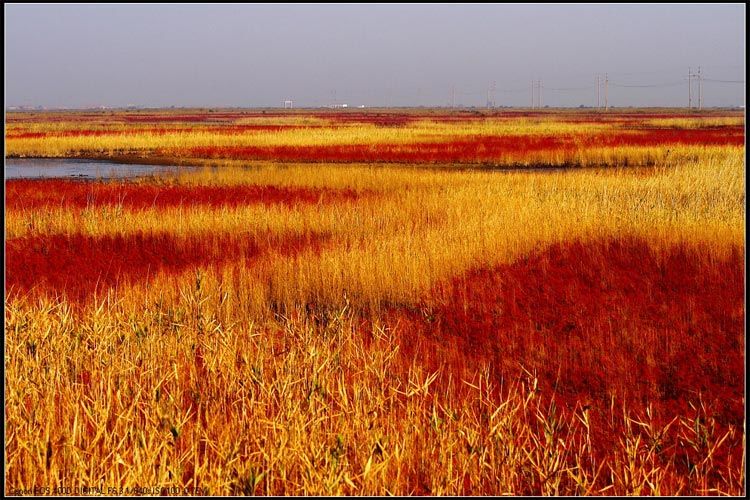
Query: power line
{"x": 601, "y": 87}
{"x": 567, "y": 89}
{"x": 673, "y": 84}
{"x": 663, "y": 70}
{"x": 723, "y": 81}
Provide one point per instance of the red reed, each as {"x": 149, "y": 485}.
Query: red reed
{"x": 27, "y": 194}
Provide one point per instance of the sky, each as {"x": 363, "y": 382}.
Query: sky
{"x": 258, "y": 55}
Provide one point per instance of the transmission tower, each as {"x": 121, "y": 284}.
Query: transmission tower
{"x": 491, "y": 88}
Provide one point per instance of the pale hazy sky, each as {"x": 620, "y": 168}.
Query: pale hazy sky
{"x": 376, "y": 55}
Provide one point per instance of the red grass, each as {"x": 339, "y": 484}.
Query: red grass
{"x": 475, "y": 149}
{"x": 728, "y": 135}
{"x": 148, "y": 118}
{"x": 78, "y": 265}
{"x": 214, "y": 129}
{"x": 242, "y": 129}
{"x": 378, "y": 119}
{"x": 30, "y": 194}
{"x": 628, "y": 130}
{"x": 601, "y": 319}
{"x": 606, "y": 326}
{"x": 26, "y": 135}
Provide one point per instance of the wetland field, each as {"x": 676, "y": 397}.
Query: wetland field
{"x": 413, "y": 301}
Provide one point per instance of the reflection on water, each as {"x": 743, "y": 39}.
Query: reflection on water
{"x": 38, "y": 168}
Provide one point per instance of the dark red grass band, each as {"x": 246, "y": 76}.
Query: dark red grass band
{"x": 606, "y": 327}
{"x": 599, "y": 319}
{"x": 476, "y": 148}
{"x": 77, "y": 266}
{"x": 28, "y": 194}
{"x": 214, "y": 129}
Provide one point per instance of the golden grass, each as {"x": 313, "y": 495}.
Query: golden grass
{"x": 418, "y": 228}
{"x": 176, "y": 397}
{"x": 178, "y": 139}
{"x": 222, "y": 380}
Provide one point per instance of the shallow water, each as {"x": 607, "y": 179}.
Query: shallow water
{"x": 46, "y": 168}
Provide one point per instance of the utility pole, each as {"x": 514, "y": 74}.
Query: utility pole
{"x": 606, "y": 92}
{"x": 532, "y": 94}
{"x": 598, "y": 101}
{"x": 539, "y": 86}
{"x": 491, "y": 94}
{"x": 695, "y": 76}
{"x": 453, "y": 96}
